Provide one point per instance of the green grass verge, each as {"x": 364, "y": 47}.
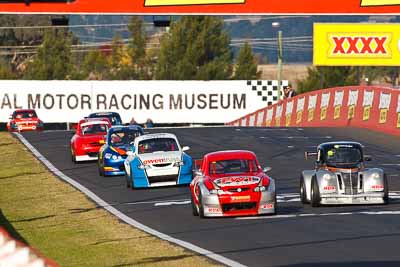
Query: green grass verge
{"x": 65, "y": 226}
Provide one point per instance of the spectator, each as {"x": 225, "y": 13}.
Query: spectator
{"x": 289, "y": 92}
{"x": 133, "y": 122}
{"x": 149, "y": 123}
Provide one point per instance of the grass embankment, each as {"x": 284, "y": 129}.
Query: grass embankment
{"x": 65, "y": 226}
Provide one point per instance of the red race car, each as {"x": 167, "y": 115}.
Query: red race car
{"x": 232, "y": 183}
{"x": 24, "y": 120}
{"x": 88, "y": 138}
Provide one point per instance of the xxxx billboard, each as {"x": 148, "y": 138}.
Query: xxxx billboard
{"x": 356, "y": 44}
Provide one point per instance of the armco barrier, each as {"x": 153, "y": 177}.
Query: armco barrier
{"x": 371, "y": 107}
{"x": 15, "y": 254}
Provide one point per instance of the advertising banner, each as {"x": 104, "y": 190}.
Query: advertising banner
{"x": 357, "y": 44}
{"x": 162, "y": 101}
{"x": 201, "y": 6}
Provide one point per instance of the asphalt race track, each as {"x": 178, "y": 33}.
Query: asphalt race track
{"x": 297, "y": 236}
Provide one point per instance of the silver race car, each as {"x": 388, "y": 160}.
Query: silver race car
{"x": 340, "y": 177}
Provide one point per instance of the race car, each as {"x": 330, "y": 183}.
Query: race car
{"x": 232, "y": 183}
{"x": 340, "y": 177}
{"x": 114, "y": 117}
{"x": 88, "y": 139}
{"x": 24, "y": 120}
{"x": 158, "y": 160}
{"x": 113, "y": 153}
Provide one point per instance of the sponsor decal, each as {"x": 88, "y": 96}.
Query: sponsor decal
{"x": 300, "y": 109}
{"x": 352, "y": 102}
{"x": 237, "y": 180}
{"x": 267, "y": 206}
{"x": 338, "y": 104}
{"x": 312, "y": 104}
{"x": 329, "y": 188}
{"x": 278, "y": 115}
{"x": 240, "y": 198}
{"x": 270, "y": 113}
{"x": 214, "y": 210}
{"x": 384, "y": 104}
{"x": 340, "y": 44}
{"x": 377, "y": 187}
{"x": 159, "y": 161}
{"x": 260, "y": 117}
{"x": 190, "y": 2}
{"x": 324, "y": 105}
{"x": 367, "y": 104}
{"x": 289, "y": 111}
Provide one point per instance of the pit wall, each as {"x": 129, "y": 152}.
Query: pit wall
{"x": 370, "y": 107}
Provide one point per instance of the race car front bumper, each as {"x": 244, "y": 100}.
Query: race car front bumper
{"x": 365, "y": 198}
{"x": 215, "y": 205}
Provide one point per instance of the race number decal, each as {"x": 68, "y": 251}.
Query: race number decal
{"x": 379, "y": 2}
{"x": 190, "y": 2}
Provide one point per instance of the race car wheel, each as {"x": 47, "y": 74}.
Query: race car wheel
{"x": 101, "y": 170}
{"x": 201, "y": 208}
{"x": 130, "y": 181}
{"x": 128, "y": 184}
{"x": 303, "y": 192}
{"x": 195, "y": 212}
{"x": 315, "y": 196}
{"x": 385, "y": 190}
{"x": 73, "y": 157}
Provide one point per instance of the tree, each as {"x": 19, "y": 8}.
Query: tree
{"x": 137, "y": 49}
{"x": 197, "y": 48}
{"x": 6, "y": 72}
{"x": 246, "y": 66}
{"x": 53, "y": 58}
{"x": 94, "y": 65}
{"x": 326, "y": 77}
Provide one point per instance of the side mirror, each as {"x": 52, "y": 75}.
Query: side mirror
{"x": 129, "y": 153}
{"x": 133, "y": 148}
{"x": 367, "y": 158}
{"x": 267, "y": 169}
{"x": 185, "y": 148}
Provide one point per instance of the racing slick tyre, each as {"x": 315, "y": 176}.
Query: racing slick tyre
{"x": 195, "y": 212}
{"x": 385, "y": 190}
{"x": 303, "y": 192}
{"x": 201, "y": 208}
{"x": 73, "y": 157}
{"x": 315, "y": 196}
{"x": 101, "y": 170}
{"x": 130, "y": 182}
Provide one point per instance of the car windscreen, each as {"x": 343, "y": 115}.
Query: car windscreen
{"x": 232, "y": 166}
{"x": 343, "y": 156}
{"x": 123, "y": 137}
{"x": 26, "y": 114}
{"x": 157, "y": 145}
{"x": 115, "y": 119}
{"x": 88, "y": 129}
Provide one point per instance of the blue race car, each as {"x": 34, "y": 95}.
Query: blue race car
{"x": 114, "y": 117}
{"x": 158, "y": 160}
{"x": 114, "y": 152}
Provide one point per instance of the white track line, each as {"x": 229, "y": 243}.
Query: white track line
{"x": 123, "y": 217}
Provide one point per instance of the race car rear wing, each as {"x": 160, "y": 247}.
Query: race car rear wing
{"x": 310, "y": 154}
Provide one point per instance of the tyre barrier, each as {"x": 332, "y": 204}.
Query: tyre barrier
{"x": 15, "y": 254}
{"x": 370, "y": 107}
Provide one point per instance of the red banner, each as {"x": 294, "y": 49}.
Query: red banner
{"x": 203, "y": 6}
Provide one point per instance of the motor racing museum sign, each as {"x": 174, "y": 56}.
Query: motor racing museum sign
{"x": 162, "y": 101}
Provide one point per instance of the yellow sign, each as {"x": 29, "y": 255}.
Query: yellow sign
{"x": 299, "y": 117}
{"x": 379, "y": 2}
{"x": 357, "y": 44}
{"x": 310, "y": 115}
{"x": 351, "y": 112}
{"x": 288, "y": 119}
{"x": 398, "y": 120}
{"x": 268, "y": 123}
{"x": 383, "y": 115}
{"x": 277, "y": 121}
{"x": 323, "y": 113}
{"x": 190, "y": 2}
{"x": 336, "y": 114}
{"x": 366, "y": 113}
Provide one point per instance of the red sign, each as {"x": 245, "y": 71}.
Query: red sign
{"x": 198, "y": 6}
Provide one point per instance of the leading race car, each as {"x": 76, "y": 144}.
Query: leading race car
{"x": 113, "y": 153}
{"x": 232, "y": 183}
{"x": 340, "y": 177}
{"x": 158, "y": 160}
{"x": 88, "y": 138}
{"x": 24, "y": 120}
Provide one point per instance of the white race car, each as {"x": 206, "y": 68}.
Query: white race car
{"x": 158, "y": 160}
